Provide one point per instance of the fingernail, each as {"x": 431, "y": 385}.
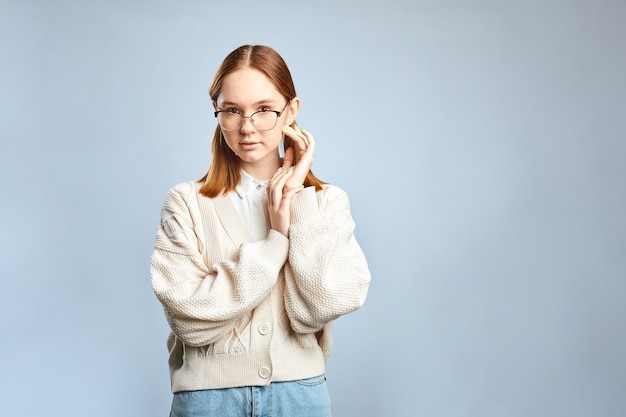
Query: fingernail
{"x": 301, "y": 186}
{"x": 289, "y": 170}
{"x": 303, "y": 129}
{"x": 285, "y": 127}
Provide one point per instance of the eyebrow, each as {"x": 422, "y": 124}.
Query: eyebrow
{"x": 264, "y": 101}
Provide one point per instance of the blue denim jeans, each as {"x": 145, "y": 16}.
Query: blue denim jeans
{"x": 303, "y": 398}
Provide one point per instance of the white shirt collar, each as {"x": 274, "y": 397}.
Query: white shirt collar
{"x": 248, "y": 183}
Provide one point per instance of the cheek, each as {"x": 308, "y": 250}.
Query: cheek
{"x": 276, "y": 134}
{"x": 230, "y": 139}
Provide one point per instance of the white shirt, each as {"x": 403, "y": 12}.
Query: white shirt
{"x": 249, "y": 201}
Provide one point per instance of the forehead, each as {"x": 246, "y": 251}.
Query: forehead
{"x": 247, "y": 86}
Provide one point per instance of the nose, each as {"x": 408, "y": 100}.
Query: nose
{"x": 247, "y": 125}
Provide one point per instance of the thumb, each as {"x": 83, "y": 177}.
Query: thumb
{"x": 288, "y": 159}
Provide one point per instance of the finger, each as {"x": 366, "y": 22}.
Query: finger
{"x": 280, "y": 177}
{"x": 288, "y": 159}
{"x": 276, "y": 185}
{"x": 298, "y": 136}
{"x": 271, "y": 186}
{"x": 276, "y": 175}
{"x": 288, "y": 195}
{"x": 297, "y": 188}
{"x": 310, "y": 141}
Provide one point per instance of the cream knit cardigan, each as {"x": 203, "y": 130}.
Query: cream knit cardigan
{"x": 246, "y": 313}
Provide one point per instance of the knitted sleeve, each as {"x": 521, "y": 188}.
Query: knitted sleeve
{"x": 203, "y": 302}
{"x": 327, "y": 274}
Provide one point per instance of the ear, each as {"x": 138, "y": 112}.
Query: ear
{"x": 292, "y": 110}
{"x": 214, "y": 106}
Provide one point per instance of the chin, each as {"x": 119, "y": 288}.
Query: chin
{"x": 249, "y": 158}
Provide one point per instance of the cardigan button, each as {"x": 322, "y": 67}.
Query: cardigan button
{"x": 264, "y": 372}
{"x": 264, "y": 328}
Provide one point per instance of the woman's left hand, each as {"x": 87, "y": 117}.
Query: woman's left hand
{"x": 305, "y": 141}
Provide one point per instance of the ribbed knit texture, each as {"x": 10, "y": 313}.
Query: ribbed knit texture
{"x": 247, "y": 313}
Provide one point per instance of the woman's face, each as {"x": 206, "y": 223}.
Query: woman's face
{"x": 246, "y": 91}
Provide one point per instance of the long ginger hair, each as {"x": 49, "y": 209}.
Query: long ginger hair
{"x": 224, "y": 173}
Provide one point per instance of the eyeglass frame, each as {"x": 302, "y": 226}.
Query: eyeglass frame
{"x": 278, "y": 114}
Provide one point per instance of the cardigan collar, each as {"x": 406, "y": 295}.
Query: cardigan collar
{"x": 230, "y": 219}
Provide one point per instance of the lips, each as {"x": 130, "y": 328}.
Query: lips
{"x": 248, "y": 145}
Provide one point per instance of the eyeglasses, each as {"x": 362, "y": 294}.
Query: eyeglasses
{"x": 264, "y": 119}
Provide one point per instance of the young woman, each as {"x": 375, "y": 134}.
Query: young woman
{"x": 254, "y": 261}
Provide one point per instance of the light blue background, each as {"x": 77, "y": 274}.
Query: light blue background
{"x": 482, "y": 143}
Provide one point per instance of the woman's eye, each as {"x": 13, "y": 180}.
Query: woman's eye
{"x": 265, "y": 109}
{"x": 232, "y": 110}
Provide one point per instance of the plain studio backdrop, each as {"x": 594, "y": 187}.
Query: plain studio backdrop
{"x": 482, "y": 144}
